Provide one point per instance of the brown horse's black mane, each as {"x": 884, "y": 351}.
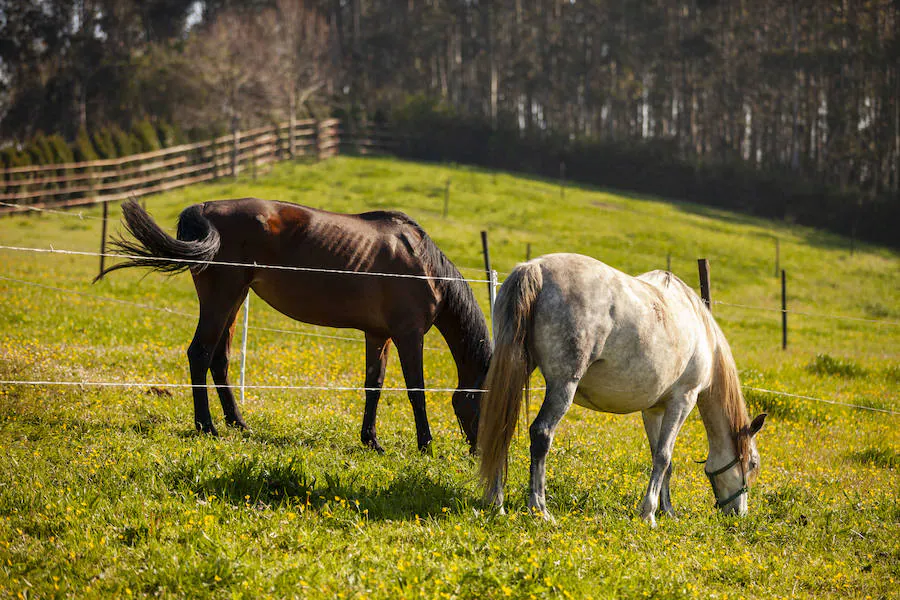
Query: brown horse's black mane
{"x": 458, "y": 298}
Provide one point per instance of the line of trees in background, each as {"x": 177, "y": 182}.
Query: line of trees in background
{"x": 787, "y": 108}
{"x": 108, "y": 141}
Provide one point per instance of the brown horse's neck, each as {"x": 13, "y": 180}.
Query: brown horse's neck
{"x": 464, "y": 328}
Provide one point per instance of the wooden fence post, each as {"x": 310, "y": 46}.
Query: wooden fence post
{"x": 244, "y": 345}
{"x": 292, "y": 144}
{"x": 527, "y": 251}
{"x": 235, "y": 140}
{"x": 783, "y": 310}
{"x": 703, "y": 267}
{"x": 318, "y": 125}
{"x": 103, "y": 236}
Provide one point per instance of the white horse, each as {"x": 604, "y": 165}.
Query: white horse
{"x": 619, "y": 344}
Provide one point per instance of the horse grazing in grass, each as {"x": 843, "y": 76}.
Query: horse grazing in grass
{"x": 619, "y": 344}
{"x": 301, "y": 243}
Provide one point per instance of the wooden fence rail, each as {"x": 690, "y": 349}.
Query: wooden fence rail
{"x": 80, "y": 183}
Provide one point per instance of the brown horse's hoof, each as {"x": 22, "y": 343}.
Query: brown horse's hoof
{"x": 427, "y": 449}
{"x": 208, "y": 429}
{"x": 374, "y": 445}
{"x": 240, "y": 424}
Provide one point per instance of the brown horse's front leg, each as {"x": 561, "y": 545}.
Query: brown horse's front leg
{"x": 409, "y": 348}
{"x": 219, "y": 370}
{"x": 376, "y": 362}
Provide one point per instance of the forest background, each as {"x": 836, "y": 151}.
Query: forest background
{"x": 781, "y": 109}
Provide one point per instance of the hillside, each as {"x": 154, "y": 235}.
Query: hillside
{"x": 112, "y": 493}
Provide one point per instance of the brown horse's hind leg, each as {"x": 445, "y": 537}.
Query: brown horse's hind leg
{"x": 219, "y": 369}
{"x": 376, "y": 362}
{"x": 218, "y": 294}
{"x": 409, "y": 347}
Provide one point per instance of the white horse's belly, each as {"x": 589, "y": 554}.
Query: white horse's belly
{"x": 616, "y": 390}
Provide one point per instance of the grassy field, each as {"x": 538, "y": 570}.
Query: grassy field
{"x": 108, "y": 491}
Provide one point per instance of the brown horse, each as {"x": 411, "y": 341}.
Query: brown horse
{"x": 302, "y": 243}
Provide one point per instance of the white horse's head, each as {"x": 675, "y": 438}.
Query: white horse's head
{"x": 732, "y": 481}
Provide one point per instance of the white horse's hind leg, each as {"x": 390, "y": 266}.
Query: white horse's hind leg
{"x": 676, "y": 411}
{"x": 557, "y": 401}
{"x": 652, "y": 423}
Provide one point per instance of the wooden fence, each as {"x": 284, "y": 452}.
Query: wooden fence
{"x": 109, "y": 180}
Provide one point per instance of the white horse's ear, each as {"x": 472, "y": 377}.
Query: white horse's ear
{"x": 757, "y": 423}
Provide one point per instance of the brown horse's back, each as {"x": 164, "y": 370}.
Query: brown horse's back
{"x": 282, "y": 234}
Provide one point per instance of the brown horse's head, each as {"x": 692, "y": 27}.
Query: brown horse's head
{"x": 467, "y": 406}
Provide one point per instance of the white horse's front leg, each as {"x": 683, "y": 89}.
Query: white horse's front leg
{"x": 652, "y": 422}
{"x": 557, "y": 401}
{"x": 676, "y": 411}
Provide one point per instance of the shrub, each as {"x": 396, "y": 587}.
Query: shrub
{"x": 82, "y": 147}
{"x": 103, "y": 142}
{"x": 12, "y": 157}
{"x": 39, "y": 150}
{"x": 169, "y": 135}
{"x": 61, "y": 151}
{"x": 879, "y": 456}
{"x": 825, "y": 364}
{"x": 146, "y": 136}
{"x": 126, "y": 143}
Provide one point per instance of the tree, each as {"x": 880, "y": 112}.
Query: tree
{"x": 299, "y": 50}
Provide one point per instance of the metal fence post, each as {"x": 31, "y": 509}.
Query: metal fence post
{"x": 244, "y": 345}
{"x": 493, "y": 295}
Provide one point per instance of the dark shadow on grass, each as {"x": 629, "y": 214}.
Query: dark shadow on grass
{"x": 251, "y": 482}
{"x": 877, "y": 456}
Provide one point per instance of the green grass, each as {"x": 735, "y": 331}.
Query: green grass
{"x": 109, "y": 492}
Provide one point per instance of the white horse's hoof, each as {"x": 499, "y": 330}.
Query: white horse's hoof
{"x": 542, "y": 513}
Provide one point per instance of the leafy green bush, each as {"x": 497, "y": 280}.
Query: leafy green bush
{"x": 825, "y": 364}
{"x": 103, "y": 142}
{"x": 169, "y": 135}
{"x": 878, "y": 456}
{"x": 12, "y": 157}
{"x": 39, "y": 150}
{"x": 83, "y": 148}
{"x": 892, "y": 373}
{"x": 146, "y": 135}
{"x": 126, "y": 143}
{"x": 61, "y": 151}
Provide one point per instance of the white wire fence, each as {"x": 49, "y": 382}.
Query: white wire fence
{"x": 493, "y": 281}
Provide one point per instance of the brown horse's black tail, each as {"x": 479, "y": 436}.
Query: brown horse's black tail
{"x": 198, "y": 241}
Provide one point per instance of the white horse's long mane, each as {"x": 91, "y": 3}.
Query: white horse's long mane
{"x": 725, "y": 387}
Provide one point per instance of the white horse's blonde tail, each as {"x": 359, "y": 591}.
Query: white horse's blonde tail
{"x": 509, "y": 370}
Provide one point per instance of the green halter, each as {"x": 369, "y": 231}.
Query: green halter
{"x": 712, "y": 481}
